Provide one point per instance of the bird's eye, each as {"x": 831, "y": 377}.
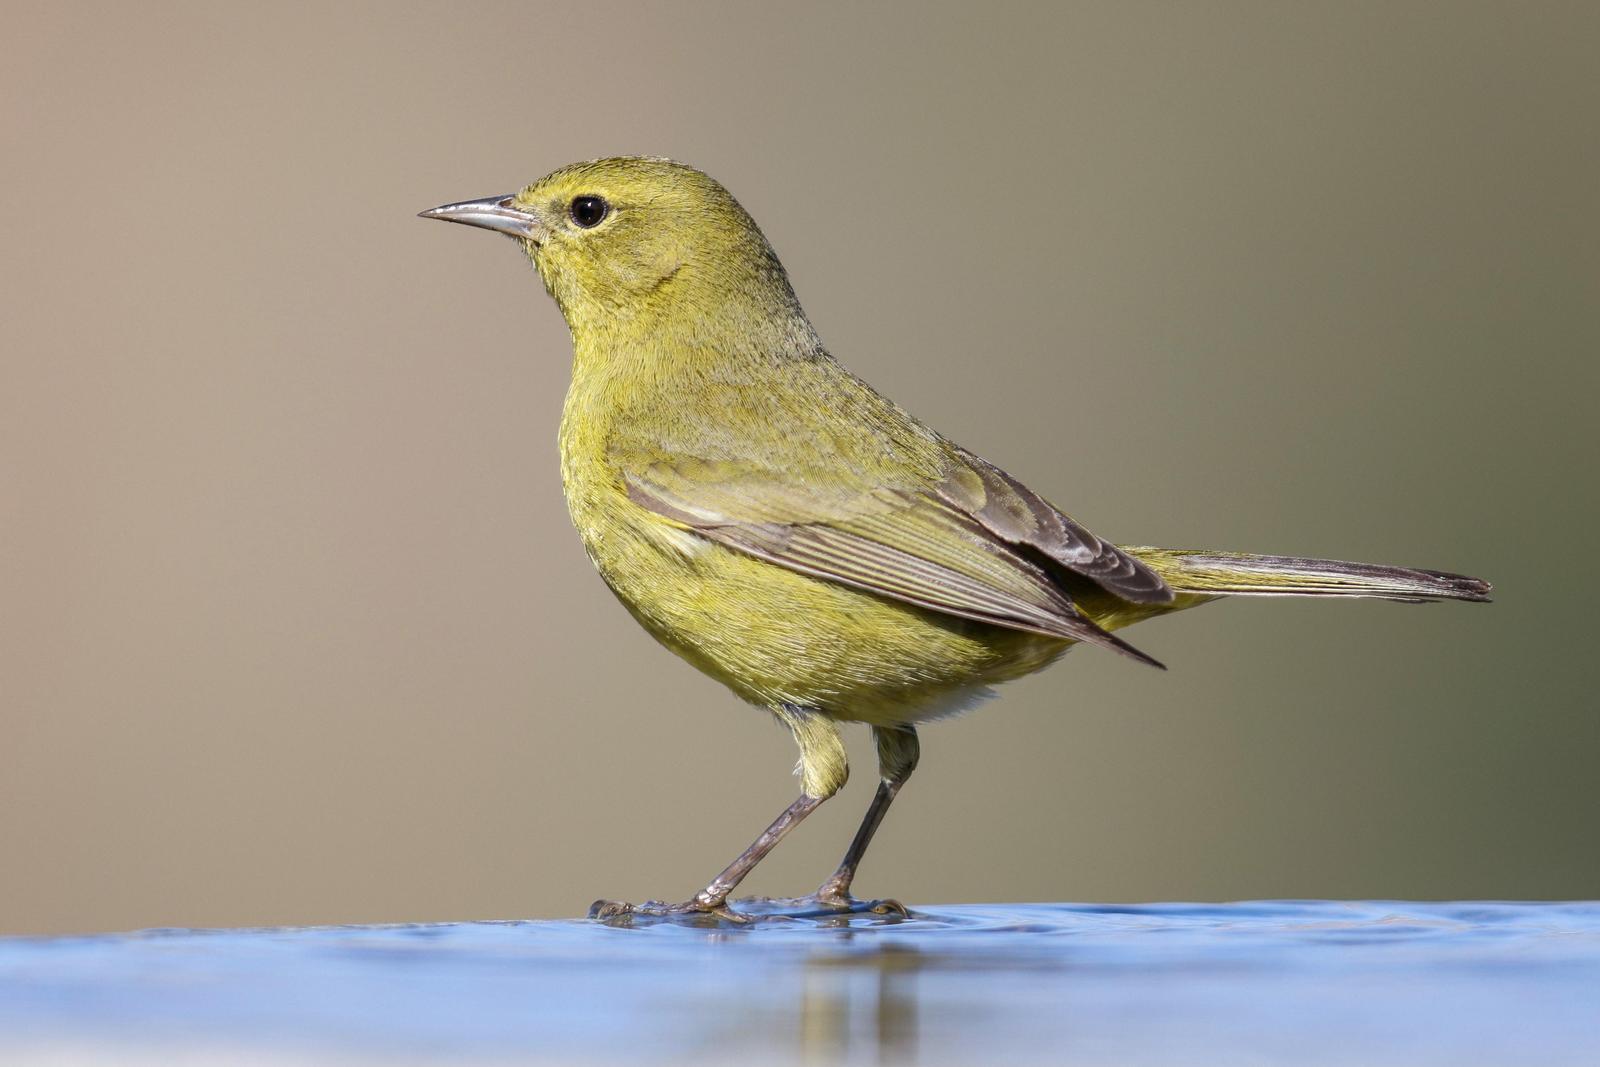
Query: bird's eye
{"x": 588, "y": 211}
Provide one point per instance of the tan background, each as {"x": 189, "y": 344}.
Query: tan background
{"x": 294, "y": 626}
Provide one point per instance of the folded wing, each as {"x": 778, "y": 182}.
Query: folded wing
{"x": 1017, "y": 515}
{"x": 961, "y": 548}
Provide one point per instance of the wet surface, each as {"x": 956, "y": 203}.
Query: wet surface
{"x": 1303, "y": 982}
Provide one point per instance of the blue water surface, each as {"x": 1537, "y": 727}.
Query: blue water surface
{"x": 1296, "y": 982}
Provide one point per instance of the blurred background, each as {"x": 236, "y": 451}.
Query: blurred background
{"x": 293, "y": 625}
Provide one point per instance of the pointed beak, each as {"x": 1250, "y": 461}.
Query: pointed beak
{"x": 499, "y": 213}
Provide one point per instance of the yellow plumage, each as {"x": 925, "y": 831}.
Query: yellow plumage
{"x": 791, "y": 532}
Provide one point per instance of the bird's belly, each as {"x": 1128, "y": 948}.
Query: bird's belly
{"x": 776, "y": 636}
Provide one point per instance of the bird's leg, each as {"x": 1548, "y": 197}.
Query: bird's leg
{"x": 836, "y": 890}
{"x": 823, "y": 770}
{"x": 898, "y": 750}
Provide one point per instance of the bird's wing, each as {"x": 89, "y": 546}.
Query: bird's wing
{"x": 1017, "y": 515}
{"x": 941, "y": 550}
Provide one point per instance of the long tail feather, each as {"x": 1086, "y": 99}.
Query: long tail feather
{"x": 1240, "y": 573}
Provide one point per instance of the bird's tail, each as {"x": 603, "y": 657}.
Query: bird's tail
{"x": 1210, "y": 574}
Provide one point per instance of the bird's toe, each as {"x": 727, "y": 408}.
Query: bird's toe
{"x": 694, "y": 912}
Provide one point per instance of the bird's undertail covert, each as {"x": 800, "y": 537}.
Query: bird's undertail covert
{"x": 1240, "y": 573}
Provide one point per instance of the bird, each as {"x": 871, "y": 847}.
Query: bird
{"x": 784, "y": 527}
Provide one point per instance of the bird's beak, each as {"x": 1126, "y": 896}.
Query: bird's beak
{"x": 498, "y": 213}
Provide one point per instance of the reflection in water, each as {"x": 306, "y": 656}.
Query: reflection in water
{"x": 1312, "y": 983}
{"x": 860, "y": 1008}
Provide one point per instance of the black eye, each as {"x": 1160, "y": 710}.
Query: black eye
{"x": 587, "y": 211}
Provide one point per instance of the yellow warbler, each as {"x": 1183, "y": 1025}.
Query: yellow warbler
{"x": 790, "y": 531}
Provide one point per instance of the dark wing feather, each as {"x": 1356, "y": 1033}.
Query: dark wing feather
{"x": 1015, "y": 513}
{"x": 915, "y": 548}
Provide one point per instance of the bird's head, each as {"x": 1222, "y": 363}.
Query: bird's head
{"x": 634, "y": 238}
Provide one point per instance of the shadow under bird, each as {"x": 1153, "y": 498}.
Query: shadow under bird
{"x": 790, "y": 531}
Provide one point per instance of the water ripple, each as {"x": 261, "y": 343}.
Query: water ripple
{"x": 1302, "y": 982}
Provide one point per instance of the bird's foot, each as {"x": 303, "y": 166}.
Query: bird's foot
{"x": 700, "y": 912}
{"x": 694, "y": 912}
{"x": 821, "y": 904}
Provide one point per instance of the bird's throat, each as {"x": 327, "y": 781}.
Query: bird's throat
{"x": 681, "y": 334}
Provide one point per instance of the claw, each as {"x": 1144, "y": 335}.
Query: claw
{"x": 609, "y": 909}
